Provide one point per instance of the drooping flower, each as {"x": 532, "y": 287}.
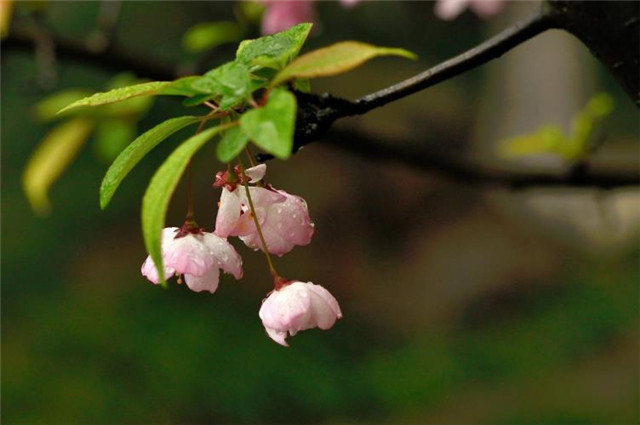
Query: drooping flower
{"x": 298, "y": 306}
{"x": 285, "y": 223}
{"x": 450, "y": 9}
{"x": 198, "y": 256}
{"x": 283, "y": 218}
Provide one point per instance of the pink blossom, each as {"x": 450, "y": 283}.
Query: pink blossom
{"x": 283, "y": 218}
{"x": 450, "y": 9}
{"x": 198, "y": 256}
{"x": 280, "y": 15}
{"x": 298, "y": 306}
{"x": 284, "y": 223}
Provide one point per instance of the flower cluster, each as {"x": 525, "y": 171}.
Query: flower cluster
{"x": 282, "y": 14}
{"x": 266, "y": 219}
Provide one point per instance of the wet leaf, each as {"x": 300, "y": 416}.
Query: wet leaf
{"x": 335, "y": 59}
{"x": 271, "y": 127}
{"x": 133, "y": 153}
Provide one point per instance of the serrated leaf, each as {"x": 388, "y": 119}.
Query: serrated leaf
{"x": 120, "y": 94}
{"x": 156, "y": 199}
{"x": 207, "y": 35}
{"x": 230, "y": 81}
{"x": 271, "y": 127}
{"x": 335, "y": 59}
{"x": 112, "y": 136}
{"x": 231, "y": 144}
{"x": 276, "y": 50}
{"x": 51, "y": 158}
{"x": 133, "y": 153}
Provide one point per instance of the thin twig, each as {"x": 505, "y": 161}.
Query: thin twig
{"x": 472, "y": 58}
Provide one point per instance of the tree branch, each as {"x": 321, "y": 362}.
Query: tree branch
{"x": 414, "y": 154}
{"x": 112, "y": 58}
{"x": 472, "y": 58}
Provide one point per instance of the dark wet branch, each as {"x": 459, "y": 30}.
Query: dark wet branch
{"x": 112, "y": 58}
{"x": 472, "y": 58}
{"x": 416, "y": 155}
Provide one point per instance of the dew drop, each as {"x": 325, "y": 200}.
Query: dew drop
{"x": 279, "y": 210}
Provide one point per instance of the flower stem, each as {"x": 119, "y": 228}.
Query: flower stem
{"x": 250, "y": 155}
{"x": 265, "y": 249}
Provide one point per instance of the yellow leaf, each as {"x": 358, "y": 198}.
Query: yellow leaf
{"x": 335, "y": 59}
{"x": 51, "y": 158}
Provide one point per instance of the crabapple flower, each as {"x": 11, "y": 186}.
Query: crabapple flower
{"x": 450, "y": 9}
{"x": 283, "y": 218}
{"x": 284, "y": 221}
{"x": 198, "y": 256}
{"x": 280, "y": 15}
{"x": 298, "y": 306}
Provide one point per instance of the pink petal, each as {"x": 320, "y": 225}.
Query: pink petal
{"x": 325, "y": 307}
{"x": 487, "y": 8}
{"x": 256, "y": 173}
{"x": 448, "y": 10}
{"x": 227, "y": 257}
{"x": 206, "y": 282}
{"x": 291, "y": 220}
{"x": 276, "y": 244}
{"x": 281, "y": 15}
{"x": 188, "y": 255}
{"x": 277, "y": 336}
{"x": 150, "y": 271}
{"x": 228, "y": 212}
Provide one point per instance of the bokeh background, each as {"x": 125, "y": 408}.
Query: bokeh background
{"x": 463, "y": 302}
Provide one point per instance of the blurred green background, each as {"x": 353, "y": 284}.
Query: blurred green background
{"x": 463, "y": 302}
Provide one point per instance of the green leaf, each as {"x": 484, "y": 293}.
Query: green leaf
{"x": 547, "y": 139}
{"x": 156, "y": 199}
{"x": 118, "y": 95}
{"x": 302, "y": 84}
{"x": 112, "y": 136}
{"x": 181, "y": 87}
{"x": 207, "y": 35}
{"x": 274, "y": 51}
{"x": 587, "y": 121}
{"x": 335, "y": 59}
{"x": 271, "y": 126}
{"x": 133, "y": 153}
{"x": 51, "y": 158}
{"x": 231, "y": 81}
{"x": 232, "y": 143}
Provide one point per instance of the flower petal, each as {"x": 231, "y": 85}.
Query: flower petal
{"x": 188, "y": 255}
{"x": 277, "y": 336}
{"x": 227, "y": 257}
{"x": 228, "y": 212}
{"x": 256, "y": 173}
{"x": 150, "y": 271}
{"x": 206, "y": 282}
